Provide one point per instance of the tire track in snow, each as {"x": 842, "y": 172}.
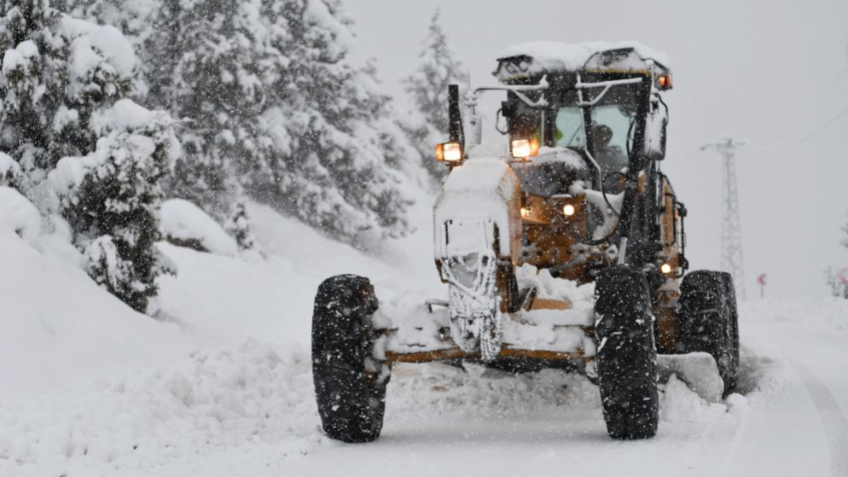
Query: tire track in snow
{"x": 832, "y": 419}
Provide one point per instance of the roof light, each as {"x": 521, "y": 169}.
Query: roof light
{"x": 524, "y": 148}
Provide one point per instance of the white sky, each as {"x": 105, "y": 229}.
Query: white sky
{"x": 761, "y": 71}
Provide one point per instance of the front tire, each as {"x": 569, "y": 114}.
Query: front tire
{"x": 350, "y": 386}
{"x": 627, "y": 354}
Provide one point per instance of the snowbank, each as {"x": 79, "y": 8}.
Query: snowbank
{"x": 226, "y": 299}
{"x": 19, "y": 214}
{"x": 57, "y": 327}
{"x": 242, "y": 399}
{"x": 185, "y": 224}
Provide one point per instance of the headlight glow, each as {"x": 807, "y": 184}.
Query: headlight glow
{"x": 449, "y": 152}
{"x": 524, "y": 148}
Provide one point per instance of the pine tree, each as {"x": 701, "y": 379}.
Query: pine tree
{"x": 63, "y": 102}
{"x": 428, "y": 86}
{"x": 111, "y": 199}
{"x": 132, "y": 17}
{"x": 207, "y": 63}
{"x": 238, "y": 227}
{"x": 57, "y": 71}
{"x": 10, "y": 173}
{"x": 273, "y": 108}
{"x": 329, "y": 167}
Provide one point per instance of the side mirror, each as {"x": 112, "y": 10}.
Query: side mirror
{"x": 507, "y": 108}
{"x": 655, "y": 133}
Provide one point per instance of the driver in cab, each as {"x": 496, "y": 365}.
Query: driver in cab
{"x": 611, "y": 158}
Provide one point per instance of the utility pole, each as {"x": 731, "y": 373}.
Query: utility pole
{"x": 731, "y": 227}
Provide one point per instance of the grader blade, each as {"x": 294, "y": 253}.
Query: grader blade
{"x": 698, "y": 370}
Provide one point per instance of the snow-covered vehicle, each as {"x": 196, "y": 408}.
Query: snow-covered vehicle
{"x": 564, "y": 249}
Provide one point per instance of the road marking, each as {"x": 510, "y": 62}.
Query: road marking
{"x": 832, "y": 420}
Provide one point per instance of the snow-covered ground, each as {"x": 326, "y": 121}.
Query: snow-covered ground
{"x": 222, "y": 386}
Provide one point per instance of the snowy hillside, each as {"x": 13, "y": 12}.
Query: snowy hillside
{"x": 58, "y": 327}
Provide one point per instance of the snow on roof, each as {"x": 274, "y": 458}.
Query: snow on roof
{"x": 549, "y": 56}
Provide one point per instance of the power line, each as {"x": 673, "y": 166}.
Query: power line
{"x": 839, "y": 77}
{"x": 806, "y": 138}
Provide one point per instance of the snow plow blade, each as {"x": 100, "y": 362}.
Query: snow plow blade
{"x": 698, "y": 370}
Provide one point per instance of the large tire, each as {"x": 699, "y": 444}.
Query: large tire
{"x": 350, "y": 386}
{"x": 708, "y": 321}
{"x": 627, "y": 354}
{"x": 732, "y": 372}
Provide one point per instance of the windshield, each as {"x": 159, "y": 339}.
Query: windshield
{"x": 610, "y": 124}
{"x": 569, "y": 128}
{"x": 613, "y": 116}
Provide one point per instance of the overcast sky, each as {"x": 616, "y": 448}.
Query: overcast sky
{"x": 765, "y": 72}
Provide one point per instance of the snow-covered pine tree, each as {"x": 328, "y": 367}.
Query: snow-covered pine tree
{"x": 238, "y": 227}
{"x": 207, "y": 63}
{"x": 62, "y": 93}
{"x": 57, "y": 71}
{"x": 111, "y": 199}
{"x": 428, "y": 86}
{"x": 276, "y": 109}
{"x": 330, "y": 128}
{"x": 10, "y": 173}
{"x": 132, "y": 17}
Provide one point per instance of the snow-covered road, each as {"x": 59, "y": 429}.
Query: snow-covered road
{"x": 788, "y": 420}
{"x": 248, "y": 410}
{"x": 231, "y": 391}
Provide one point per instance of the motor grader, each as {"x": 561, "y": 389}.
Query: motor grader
{"x": 564, "y": 247}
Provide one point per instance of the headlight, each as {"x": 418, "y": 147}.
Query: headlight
{"x": 665, "y": 268}
{"x": 449, "y": 152}
{"x": 568, "y": 210}
{"x": 524, "y": 148}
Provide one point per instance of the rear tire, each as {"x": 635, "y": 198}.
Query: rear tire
{"x": 627, "y": 354}
{"x": 732, "y": 372}
{"x": 708, "y": 321}
{"x": 350, "y": 386}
